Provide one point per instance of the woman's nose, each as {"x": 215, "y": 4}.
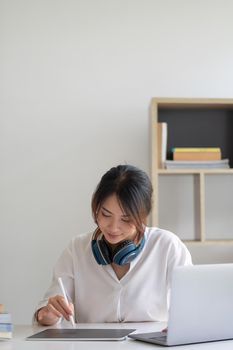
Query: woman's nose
{"x": 114, "y": 225}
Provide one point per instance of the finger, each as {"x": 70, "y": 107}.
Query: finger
{"x": 61, "y": 306}
{"x": 67, "y": 307}
{"x": 51, "y": 309}
{"x": 48, "y": 313}
{"x": 71, "y": 305}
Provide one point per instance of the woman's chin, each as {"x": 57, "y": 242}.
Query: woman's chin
{"x": 113, "y": 239}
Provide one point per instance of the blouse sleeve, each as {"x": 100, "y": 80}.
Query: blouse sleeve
{"x": 64, "y": 269}
{"x": 178, "y": 255}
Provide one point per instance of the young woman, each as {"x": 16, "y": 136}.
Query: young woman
{"x": 121, "y": 272}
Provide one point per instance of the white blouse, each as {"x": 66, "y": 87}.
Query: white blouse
{"x": 99, "y": 296}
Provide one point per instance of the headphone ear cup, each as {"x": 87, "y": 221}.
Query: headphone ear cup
{"x": 127, "y": 251}
{"x": 101, "y": 252}
{"x": 124, "y": 253}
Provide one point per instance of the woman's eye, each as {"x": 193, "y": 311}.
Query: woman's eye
{"x": 105, "y": 215}
{"x": 125, "y": 220}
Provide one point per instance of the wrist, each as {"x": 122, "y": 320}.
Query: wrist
{"x": 36, "y": 315}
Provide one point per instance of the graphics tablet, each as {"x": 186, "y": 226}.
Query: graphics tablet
{"x": 81, "y": 334}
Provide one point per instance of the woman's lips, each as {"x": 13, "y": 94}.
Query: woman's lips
{"x": 114, "y": 236}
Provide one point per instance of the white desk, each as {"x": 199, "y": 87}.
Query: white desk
{"x": 21, "y": 332}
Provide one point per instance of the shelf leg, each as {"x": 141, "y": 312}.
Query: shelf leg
{"x": 199, "y": 205}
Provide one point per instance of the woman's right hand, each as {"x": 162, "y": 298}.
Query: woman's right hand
{"x": 54, "y": 310}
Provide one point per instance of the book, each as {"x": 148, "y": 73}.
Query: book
{"x": 5, "y": 335}
{"x": 202, "y": 154}
{"x": 196, "y": 149}
{"x": 5, "y": 318}
{"x": 6, "y": 326}
{"x": 162, "y": 144}
{"x": 214, "y": 164}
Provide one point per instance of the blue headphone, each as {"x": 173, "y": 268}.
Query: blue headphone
{"x": 122, "y": 254}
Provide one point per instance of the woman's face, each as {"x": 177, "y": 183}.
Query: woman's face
{"x": 115, "y": 225}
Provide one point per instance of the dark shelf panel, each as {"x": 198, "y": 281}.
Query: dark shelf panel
{"x": 199, "y": 127}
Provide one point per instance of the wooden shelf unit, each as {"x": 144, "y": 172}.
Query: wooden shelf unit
{"x": 192, "y": 123}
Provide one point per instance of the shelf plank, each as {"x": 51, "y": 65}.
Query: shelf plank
{"x": 191, "y": 103}
{"x": 194, "y": 171}
{"x": 209, "y": 242}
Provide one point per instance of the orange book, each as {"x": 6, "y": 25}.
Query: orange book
{"x": 198, "y": 154}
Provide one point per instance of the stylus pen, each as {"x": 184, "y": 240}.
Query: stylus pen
{"x": 65, "y": 297}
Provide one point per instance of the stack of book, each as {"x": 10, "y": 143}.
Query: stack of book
{"x": 6, "y": 327}
{"x": 197, "y": 158}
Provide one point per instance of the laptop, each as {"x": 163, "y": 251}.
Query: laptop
{"x": 81, "y": 334}
{"x": 201, "y": 306}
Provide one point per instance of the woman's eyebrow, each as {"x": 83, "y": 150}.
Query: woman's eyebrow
{"x": 124, "y": 215}
{"x": 107, "y": 210}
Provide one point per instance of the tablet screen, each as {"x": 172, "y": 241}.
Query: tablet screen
{"x": 81, "y": 334}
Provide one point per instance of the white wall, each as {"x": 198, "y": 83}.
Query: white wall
{"x": 76, "y": 79}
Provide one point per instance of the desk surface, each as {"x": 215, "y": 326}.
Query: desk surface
{"x": 18, "y": 341}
